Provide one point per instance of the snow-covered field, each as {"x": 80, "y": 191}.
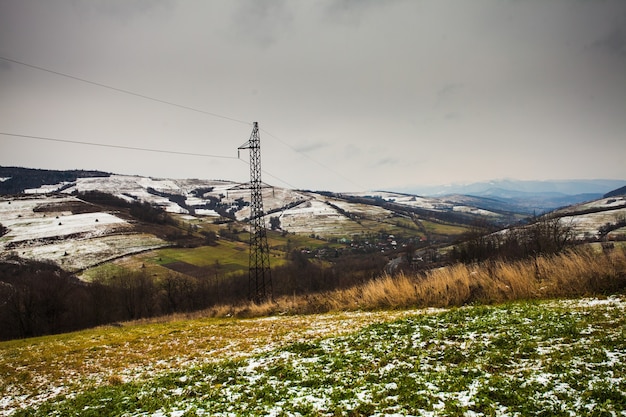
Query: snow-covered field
{"x": 434, "y": 204}
{"x": 564, "y": 357}
{"x": 313, "y": 217}
{"x": 310, "y": 213}
{"x": 62, "y": 225}
{"x": 79, "y": 254}
{"x": 587, "y": 225}
{"x": 616, "y": 201}
{"x": 407, "y": 200}
{"x": 44, "y": 228}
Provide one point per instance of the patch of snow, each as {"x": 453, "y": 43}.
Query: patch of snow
{"x": 47, "y": 188}
{"x": 73, "y": 241}
{"x": 78, "y": 254}
{"x": 473, "y": 210}
{"x": 195, "y": 201}
{"x": 95, "y": 224}
{"x": 206, "y": 212}
{"x": 590, "y": 223}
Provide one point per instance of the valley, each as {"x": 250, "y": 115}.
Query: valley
{"x": 366, "y": 290}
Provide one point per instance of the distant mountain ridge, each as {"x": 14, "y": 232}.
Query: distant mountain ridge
{"x": 486, "y": 188}
{"x": 528, "y": 195}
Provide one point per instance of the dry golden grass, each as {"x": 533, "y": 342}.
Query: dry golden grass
{"x": 579, "y": 272}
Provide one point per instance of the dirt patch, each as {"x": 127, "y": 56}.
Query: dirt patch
{"x": 189, "y": 269}
{"x": 75, "y": 207}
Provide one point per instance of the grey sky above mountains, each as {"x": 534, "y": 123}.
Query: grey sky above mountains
{"x": 350, "y": 95}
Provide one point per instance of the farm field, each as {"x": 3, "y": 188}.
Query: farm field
{"x": 226, "y": 257}
{"x": 46, "y": 227}
{"x": 553, "y": 358}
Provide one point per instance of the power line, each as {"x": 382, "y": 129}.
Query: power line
{"x": 132, "y": 93}
{"x": 104, "y": 145}
{"x": 314, "y": 160}
{"x": 293, "y": 187}
{"x": 121, "y": 90}
{"x": 136, "y": 148}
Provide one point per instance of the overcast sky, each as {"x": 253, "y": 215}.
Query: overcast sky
{"x": 350, "y": 95}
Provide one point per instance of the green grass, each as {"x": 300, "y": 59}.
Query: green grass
{"x": 293, "y": 241}
{"x": 105, "y": 270}
{"x": 444, "y": 229}
{"x": 540, "y": 358}
{"x": 228, "y": 253}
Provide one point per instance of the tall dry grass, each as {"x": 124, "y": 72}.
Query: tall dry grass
{"x": 581, "y": 272}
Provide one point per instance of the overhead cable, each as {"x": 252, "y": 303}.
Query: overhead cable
{"x": 132, "y": 93}
{"x": 121, "y": 90}
{"x": 135, "y": 148}
{"x": 104, "y": 145}
{"x": 326, "y": 167}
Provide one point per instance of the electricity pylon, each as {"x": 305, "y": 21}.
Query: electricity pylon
{"x": 260, "y": 275}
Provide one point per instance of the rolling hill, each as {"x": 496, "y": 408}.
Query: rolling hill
{"x": 56, "y": 221}
{"x": 59, "y": 222}
{"x": 532, "y": 197}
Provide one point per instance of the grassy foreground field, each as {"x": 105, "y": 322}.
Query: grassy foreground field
{"x": 524, "y": 358}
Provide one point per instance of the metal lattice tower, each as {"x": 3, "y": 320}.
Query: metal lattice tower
{"x": 260, "y": 276}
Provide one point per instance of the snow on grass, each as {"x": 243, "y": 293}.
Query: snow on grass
{"x": 551, "y": 358}
{"x": 78, "y": 254}
{"x": 207, "y": 212}
{"x": 24, "y": 207}
{"x": 367, "y": 210}
{"x": 314, "y": 217}
{"x": 44, "y": 368}
{"x": 407, "y": 200}
{"x": 73, "y": 241}
{"x": 89, "y": 224}
{"x": 473, "y": 210}
{"x": 46, "y": 189}
{"x": 590, "y": 223}
{"x": 616, "y": 201}
{"x": 25, "y": 223}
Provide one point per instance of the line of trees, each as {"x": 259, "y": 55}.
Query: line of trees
{"x": 38, "y": 298}
{"x": 545, "y": 236}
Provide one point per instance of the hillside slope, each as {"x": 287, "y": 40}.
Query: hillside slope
{"x": 604, "y": 218}
{"x": 54, "y": 222}
{"x": 69, "y": 231}
{"x": 543, "y": 358}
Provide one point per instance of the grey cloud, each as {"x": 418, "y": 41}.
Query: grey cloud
{"x": 387, "y": 161}
{"x": 357, "y": 5}
{"x": 449, "y": 89}
{"x": 262, "y": 22}
{"x": 5, "y": 65}
{"x": 309, "y": 147}
{"x": 123, "y": 10}
{"x": 614, "y": 42}
{"x": 351, "y": 11}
